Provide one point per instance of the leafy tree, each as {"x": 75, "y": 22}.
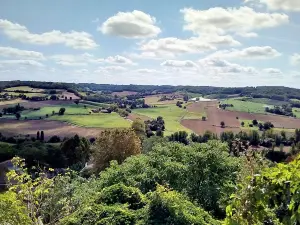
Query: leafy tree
{"x": 18, "y": 116}
{"x": 53, "y": 112}
{"x": 76, "y": 101}
{"x": 54, "y": 139}
{"x": 242, "y": 123}
{"x": 21, "y": 204}
{"x": 180, "y": 136}
{"x": 139, "y": 127}
{"x": 42, "y": 136}
{"x": 77, "y": 151}
{"x": 222, "y": 124}
{"x": 1, "y": 114}
{"x": 254, "y": 122}
{"x": 254, "y": 138}
{"x": 7, "y": 152}
{"x": 38, "y": 135}
{"x": 117, "y": 144}
{"x": 61, "y": 111}
{"x": 268, "y": 197}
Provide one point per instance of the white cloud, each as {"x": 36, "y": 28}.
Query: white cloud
{"x": 73, "y": 60}
{"x": 171, "y": 46}
{"x": 135, "y": 24}
{"x": 146, "y": 55}
{"x": 254, "y": 52}
{"x": 81, "y": 71}
{"x": 221, "y": 20}
{"x": 286, "y": 5}
{"x": 178, "y": 63}
{"x": 10, "y": 52}
{"x": 73, "y": 39}
{"x": 145, "y": 70}
{"x": 21, "y": 62}
{"x": 223, "y": 66}
{"x": 247, "y": 34}
{"x": 295, "y": 59}
{"x": 117, "y": 60}
{"x": 110, "y": 69}
{"x": 273, "y": 71}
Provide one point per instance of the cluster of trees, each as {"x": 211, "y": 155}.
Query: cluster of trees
{"x": 223, "y": 106}
{"x": 13, "y": 110}
{"x": 175, "y": 180}
{"x": 285, "y": 110}
{"x": 271, "y": 92}
{"x": 73, "y": 152}
{"x": 179, "y": 104}
{"x": 156, "y": 125}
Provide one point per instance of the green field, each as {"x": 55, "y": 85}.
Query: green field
{"x": 266, "y": 101}
{"x": 296, "y": 111}
{"x": 247, "y": 123}
{"x": 171, "y": 115}
{"x": 194, "y": 115}
{"x": 245, "y": 106}
{"x": 27, "y": 94}
{"x": 24, "y": 88}
{"x": 294, "y": 100}
{"x": 70, "y": 110}
{"x": 93, "y": 104}
{"x": 101, "y": 120}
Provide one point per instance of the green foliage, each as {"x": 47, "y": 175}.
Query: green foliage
{"x": 117, "y": 144}
{"x": 181, "y": 167}
{"x": 76, "y": 150}
{"x": 269, "y": 196}
{"x": 171, "y": 207}
{"x": 12, "y": 209}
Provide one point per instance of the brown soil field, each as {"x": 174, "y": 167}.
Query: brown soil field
{"x": 11, "y": 102}
{"x": 215, "y": 116}
{"x": 69, "y": 94}
{"x": 133, "y": 116}
{"x": 124, "y": 93}
{"x": 50, "y": 128}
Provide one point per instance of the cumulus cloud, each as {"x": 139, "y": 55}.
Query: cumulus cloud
{"x": 145, "y": 70}
{"x": 110, "y": 69}
{"x": 247, "y": 34}
{"x": 73, "y": 39}
{"x": 254, "y": 52}
{"x": 135, "y": 24}
{"x": 223, "y": 66}
{"x": 273, "y": 71}
{"x": 221, "y": 20}
{"x": 295, "y": 59}
{"x": 171, "y": 46}
{"x": 179, "y": 63}
{"x": 10, "y": 52}
{"x": 21, "y": 62}
{"x": 73, "y": 60}
{"x": 286, "y": 5}
{"x": 117, "y": 60}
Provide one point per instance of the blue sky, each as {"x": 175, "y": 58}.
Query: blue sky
{"x": 191, "y": 42}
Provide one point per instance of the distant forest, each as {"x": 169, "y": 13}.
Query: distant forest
{"x": 272, "y": 92}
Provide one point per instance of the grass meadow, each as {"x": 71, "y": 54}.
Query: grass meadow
{"x": 172, "y": 116}
{"x": 245, "y": 106}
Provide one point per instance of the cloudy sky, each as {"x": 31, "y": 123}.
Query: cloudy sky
{"x": 188, "y": 42}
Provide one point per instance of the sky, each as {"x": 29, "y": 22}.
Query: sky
{"x": 175, "y": 42}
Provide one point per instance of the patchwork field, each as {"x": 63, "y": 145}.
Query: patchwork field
{"x": 172, "y": 116}
{"x": 101, "y": 120}
{"x": 124, "y": 93}
{"x": 27, "y": 94}
{"x": 154, "y": 100}
{"x": 50, "y": 128}
{"x": 70, "y": 110}
{"x": 245, "y": 106}
{"x": 25, "y": 88}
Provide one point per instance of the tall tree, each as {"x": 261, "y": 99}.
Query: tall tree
{"x": 117, "y": 144}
